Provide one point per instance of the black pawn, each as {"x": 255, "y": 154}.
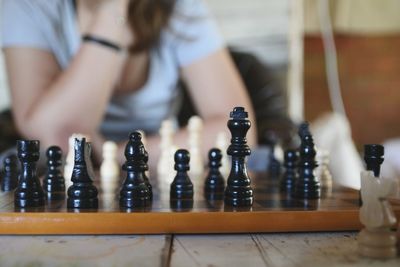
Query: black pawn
{"x": 134, "y": 192}
{"x": 54, "y": 183}
{"x": 146, "y": 179}
{"x": 373, "y": 157}
{"x": 29, "y": 193}
{"x": 10, "y": 174}
{"x": 238, "y": 191}
{"x": 289, "y": 176}
{"x": 181, "y": 187}
{"x": 307, "y": 185}
{"x": 82, "y": 194}
{"x": 215, "y": 181}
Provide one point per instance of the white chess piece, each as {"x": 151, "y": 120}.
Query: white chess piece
{"x": 322, "y": 171}
{"x": 195, "y": 128}
{"x": 377, "y": 240}
{"x": 165, "y": 166}
{"x": 109, "y": 169}
{"x": 222, "y": 143}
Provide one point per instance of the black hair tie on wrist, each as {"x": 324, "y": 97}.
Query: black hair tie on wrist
{"x": 101, "y": 41}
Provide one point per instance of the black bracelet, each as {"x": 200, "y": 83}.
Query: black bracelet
{"x": 101, "y": 41}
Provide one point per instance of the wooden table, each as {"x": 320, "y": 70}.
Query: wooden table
{"x": 294, "y": 249}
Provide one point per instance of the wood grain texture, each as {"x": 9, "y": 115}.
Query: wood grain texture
{"x": 273, "y": 250}
{"x": 84, "y": 250}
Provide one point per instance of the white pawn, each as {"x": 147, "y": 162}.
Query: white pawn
{"x": 165, "y": 166}
{"x": 195, "y": 128}
{"x": 109, "y": 169}
{"x": 222, "y": 143}
{"x": 322, "y": 171}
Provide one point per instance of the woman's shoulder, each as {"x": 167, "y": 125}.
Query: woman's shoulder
{"x": 31, "y": 23}
{"x": 50, "y": 9}
{"x": 192, "y": 32}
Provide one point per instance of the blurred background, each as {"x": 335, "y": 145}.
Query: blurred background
{"x": 286, "y": 35}
{"x": 335, "y": 57}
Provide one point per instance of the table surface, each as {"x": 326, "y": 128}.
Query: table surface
{"x": 291, "y": 249}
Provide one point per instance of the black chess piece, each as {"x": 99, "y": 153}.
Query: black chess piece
{"x": 10, "y": 173}
{"x": 214, "y": 183}
{"x": 289, "y": 176}
{"x": 54, "y": 183}
{"x": 373, "y": 157}
{"x": 307, "y": 185}
{"x": 146, "y": 179}
{"x": 238, "y": 191}
{"x": 82, "y": 194}
{"x": 134, "y": 192}
{"x": 29, "y": 193}
{"x": 181, "y": 187}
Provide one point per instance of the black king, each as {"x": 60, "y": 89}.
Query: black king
{"x": 238, "y": 192}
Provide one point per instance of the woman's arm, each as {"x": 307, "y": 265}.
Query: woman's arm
{"x": 216, "y": 88}
{"x": 50, "y": 104}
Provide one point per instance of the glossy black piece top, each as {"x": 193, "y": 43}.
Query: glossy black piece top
{"x": 373, "y": 157}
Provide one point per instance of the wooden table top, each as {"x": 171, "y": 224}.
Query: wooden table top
{"x": 290, "y": 249}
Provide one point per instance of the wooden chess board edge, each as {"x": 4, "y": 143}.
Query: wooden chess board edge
{"x": 178, "y": 222}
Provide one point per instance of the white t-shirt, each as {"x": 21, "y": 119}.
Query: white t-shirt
{"x": 51, "y": 25}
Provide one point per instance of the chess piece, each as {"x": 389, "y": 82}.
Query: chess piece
{"x": 238, "y": 191}
{"x": 322, "y": 172}
{"x": 82, "y": 194}
{"x": 377, "y": 240}
{"x": 289, "y": 176}
{"x": 214, "y": 183}
{"x": 134, "y": 192}
{"x": 109, "y": 169}
{"x": 145, "y": 176}
{"x": 69, "y": 161}
{"x": 373, "y": 157}
{"x": 9, "y": 180}
{"x": 29, "y": 193}
{"x": 222, "y": 144}
{"x": 165, "y": 164}
{"x": 53, "y": 183}
{"x": 307, "y": 185}
{"x": 181, "y": 187}
{"x": 195, "y": 128}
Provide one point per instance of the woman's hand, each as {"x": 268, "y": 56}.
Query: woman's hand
{"x": 110, "y": 21}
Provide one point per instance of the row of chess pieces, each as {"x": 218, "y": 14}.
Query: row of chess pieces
{"x": 136, "y": 190}
{"x": 306, "y": 169}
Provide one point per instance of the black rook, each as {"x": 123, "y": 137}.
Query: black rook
{"x": 29, "y": 193}
{"x": 373, "y": 157}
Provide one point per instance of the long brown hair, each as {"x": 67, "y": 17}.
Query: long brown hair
{"x": 147, "y": 18}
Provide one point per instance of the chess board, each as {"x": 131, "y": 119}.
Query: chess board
{"x": 272, "y": 211}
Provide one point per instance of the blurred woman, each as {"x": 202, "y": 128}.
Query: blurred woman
{"x": 107, "y": 67}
